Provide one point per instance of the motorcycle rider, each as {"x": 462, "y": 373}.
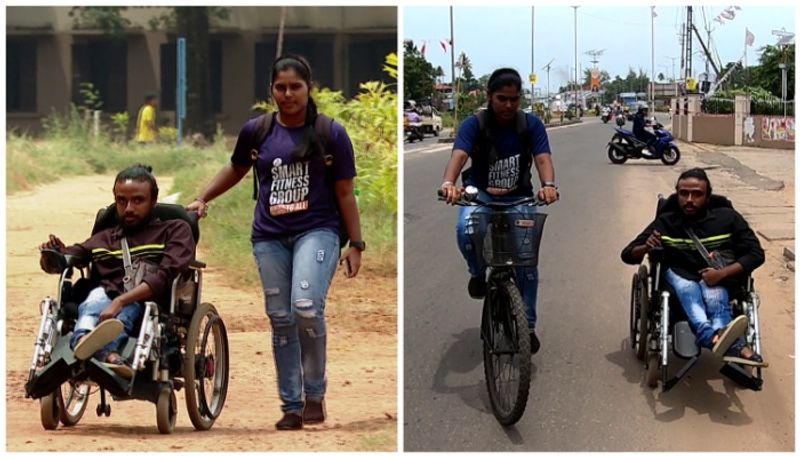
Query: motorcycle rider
{"x": 639, "y": 123}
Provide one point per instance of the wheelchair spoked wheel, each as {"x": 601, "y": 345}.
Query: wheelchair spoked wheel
{"x": 640, "y": 318}
{"x": 506, "y": 352}
{"x": 206, "y": 367}
{"x": 73, "y": 400}
{"x": 166, "y": 410}
{"x": 632, "y": 327}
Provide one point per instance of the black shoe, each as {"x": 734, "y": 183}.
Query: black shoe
{"x": 314, "y": 411}
{"x": 734, "y": 355}
{"x": 290, "y": 421}
{"x": 477, "y": 287}
{"x": 535, "y": 344}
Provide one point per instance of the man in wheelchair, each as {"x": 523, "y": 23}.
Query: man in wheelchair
{"x": 688, "y": 225}
{"x": 128, "y": 317}
{"x": 158, "y": 252}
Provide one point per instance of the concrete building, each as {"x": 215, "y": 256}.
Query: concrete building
{"x": 48, "y": 57}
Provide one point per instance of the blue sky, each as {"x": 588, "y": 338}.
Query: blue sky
{"x": 501, "y": 36}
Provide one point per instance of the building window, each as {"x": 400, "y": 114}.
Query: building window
{"x": 20, "y": 76}
{"x": 367, "y": 56}
{"x": 318, "y": 49}
{"x": 169, "y": 75}
{"x": 103, "y": 64}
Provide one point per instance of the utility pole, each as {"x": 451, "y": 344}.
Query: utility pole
{"x": 687, "y": 50}
{"x": 453, "y": 75}
{"x": 575, "y": 13}
{"x": 652, "y": 58}
{"x": 533, "y": 63}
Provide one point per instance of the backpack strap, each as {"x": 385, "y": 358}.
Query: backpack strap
{"x": 527, "y": 153}
{"x": 264, "y": 125}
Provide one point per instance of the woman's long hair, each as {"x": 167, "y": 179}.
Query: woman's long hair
{"x": 309, "y": 142}
{"x": 500, "y": 78}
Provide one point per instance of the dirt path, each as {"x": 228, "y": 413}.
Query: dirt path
{"x": 362, "y": 352}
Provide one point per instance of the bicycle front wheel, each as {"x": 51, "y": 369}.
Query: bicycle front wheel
{"x": 506, "y": 352}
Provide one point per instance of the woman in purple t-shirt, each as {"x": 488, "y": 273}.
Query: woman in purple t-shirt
{"x": 296, "y": 231}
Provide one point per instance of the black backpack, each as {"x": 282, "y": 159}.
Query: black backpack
{"x": 484, "y": 152}
{"x": 322, "y": 126}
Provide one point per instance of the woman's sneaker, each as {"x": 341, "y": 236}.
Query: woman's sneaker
{"x": 477, "y": 287}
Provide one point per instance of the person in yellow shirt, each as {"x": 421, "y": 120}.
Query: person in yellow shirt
{"x": 146, "y": 121}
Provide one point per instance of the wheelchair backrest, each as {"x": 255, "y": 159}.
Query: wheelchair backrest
{"x": 107, "y": 217}
{"x": 670, "y": 204}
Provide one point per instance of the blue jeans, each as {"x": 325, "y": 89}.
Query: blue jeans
{"x": 296, "y": 272}
{"x": 89, "y": 315}
{"x": 527, "y": 277}
{"x": 707, "y": 308}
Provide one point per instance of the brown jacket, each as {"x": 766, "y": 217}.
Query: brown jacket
{"x": 166, "y": 243}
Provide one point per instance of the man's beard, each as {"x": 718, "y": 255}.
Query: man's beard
{"x": 133, "y": 228}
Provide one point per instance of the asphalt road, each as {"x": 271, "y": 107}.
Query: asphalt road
{"x": 587, "y": 392}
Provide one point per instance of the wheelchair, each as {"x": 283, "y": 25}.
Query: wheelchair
{"x": 659, "y": 326}
{"x": 181, "y": 344}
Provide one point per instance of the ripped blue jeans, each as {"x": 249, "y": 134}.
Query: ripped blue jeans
{"x": 527, "y": 277}
{"x": 296, "y": 272}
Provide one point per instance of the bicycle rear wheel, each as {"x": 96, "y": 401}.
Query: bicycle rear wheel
{"x": 506, "y": 352}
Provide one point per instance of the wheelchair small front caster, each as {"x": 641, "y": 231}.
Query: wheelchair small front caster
{"x": 103, "y": 409}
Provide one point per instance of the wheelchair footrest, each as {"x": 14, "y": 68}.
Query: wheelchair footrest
{"x": 680, "y": 374}
{"x": 684, "y": 343}
{"x": 58, "y": 371}
{"x": 741, "y": 376}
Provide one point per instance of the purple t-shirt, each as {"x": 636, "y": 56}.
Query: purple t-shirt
{"x": 293, "y": 195}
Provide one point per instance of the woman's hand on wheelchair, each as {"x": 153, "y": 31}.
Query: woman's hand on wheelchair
{"x": 198, "y": 206}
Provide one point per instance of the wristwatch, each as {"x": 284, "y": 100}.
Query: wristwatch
{"x": 360, "y": 245}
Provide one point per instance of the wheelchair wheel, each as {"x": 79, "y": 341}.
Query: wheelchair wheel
{"x": 506, "y": 352}
{"x": 651, "y": 378}
{"x": 50, "y": 410}
{"x": 73, "y": 398}
{"x": 166, "y": 410}
{"x": 633, "y": 309}
{"x": 206, "y": 367}
{"x": 641, "y": 315}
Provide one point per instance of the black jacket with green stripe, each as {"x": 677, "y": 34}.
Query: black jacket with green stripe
{"x": 169, "y": 244}
{"x": 719, "y": 228}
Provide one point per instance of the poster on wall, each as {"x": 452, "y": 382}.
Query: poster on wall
{"x": 749, "y": 130}
{"x": 777, "y": 129}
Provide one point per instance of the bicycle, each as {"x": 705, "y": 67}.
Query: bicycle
{"x": 511, "y": 239}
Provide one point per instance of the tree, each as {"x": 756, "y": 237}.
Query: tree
{"x": 419, "y": 76}
{"x": 467, "y": 79}
{"x": 768, "y": 73}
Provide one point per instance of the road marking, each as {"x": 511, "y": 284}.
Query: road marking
{"x": 431, "y": 150}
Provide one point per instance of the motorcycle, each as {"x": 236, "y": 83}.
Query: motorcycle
{"x": 413, "y": 131}
{"x": 606, "y": 116}
{"x": 624, "y": 145}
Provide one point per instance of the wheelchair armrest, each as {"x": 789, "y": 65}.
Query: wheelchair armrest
{"x": 196, "y": 265}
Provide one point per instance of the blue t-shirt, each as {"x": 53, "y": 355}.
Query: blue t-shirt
{"x": 293, "y": 195}
{"x": 503, "y": 177}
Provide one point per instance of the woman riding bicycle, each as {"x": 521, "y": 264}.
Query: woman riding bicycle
{"x": 502, "y": 142}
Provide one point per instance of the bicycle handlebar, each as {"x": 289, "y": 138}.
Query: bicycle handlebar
{"x": 476, "y": 201}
